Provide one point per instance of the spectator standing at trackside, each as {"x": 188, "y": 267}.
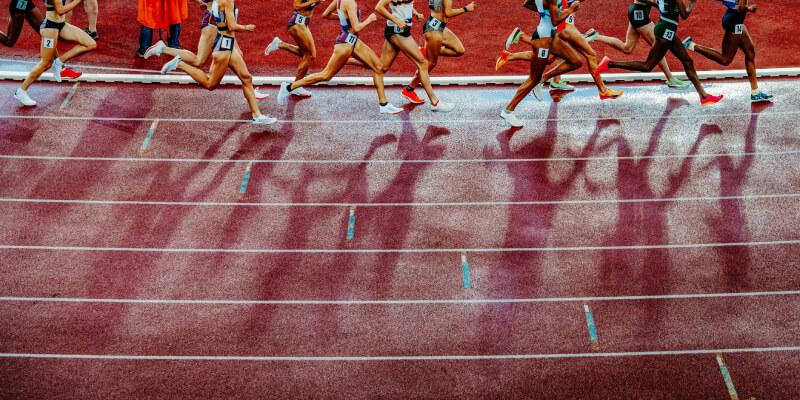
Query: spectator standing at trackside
{"x": 160, "y": 14}
{"x": 92, "y": 10}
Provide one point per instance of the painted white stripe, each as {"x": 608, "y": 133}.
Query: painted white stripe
{"x": 417, "y": 251}
{"x": 399, "y": 161}
{"x": 428, "y": 204}
{"x": 415, "y": 121}
{"x": 405, "y": 301}
{"x": 403, "y": 358}
{"x": 83, "y": 67}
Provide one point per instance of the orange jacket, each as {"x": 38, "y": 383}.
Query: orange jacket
{"x": 159, "y": 14}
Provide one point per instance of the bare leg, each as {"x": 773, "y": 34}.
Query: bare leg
{"x": 219, "y": 64}
{"x": 648, "y": 34}
{"x": 238, "y": 66}
{"x": 91, "y": 8}
{"x": 341, "y": 52}
{"x": 362, "y": 52}
{"x": 305, "y": 47}
{"x": 73, "y": 34}
{"x": 409, "y": 47}
{"x": 451, "y": 45}
{"x": 746, "y": 44}
{"x": 538, "y": 65}
{"x": 15, "y": 23}
{"x": 47, "y": 57}
{"x": 433, "y": 45}
{"x": 565, "y": 51}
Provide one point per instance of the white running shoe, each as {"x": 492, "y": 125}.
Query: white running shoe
{"x": 259, "y": 95}
{"x": 264, "y": 120}
{"x": 390, "y": 109}
{"x": 23, "y": 98}
{"x": 511, "y": 118}
{"x": 273, "y": 46}
{"x": 302, "y": 92}
{"x": 155, "y": 50}
{"x": 443, "y": 107}
{"x": 57, "y": 67}
{"x": 537, "y": 91}
{"x": 172, "y": 65}
{"x": 284, "y": 93}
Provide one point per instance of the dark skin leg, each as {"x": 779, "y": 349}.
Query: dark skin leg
{"x": 538, "y": 66}
{"x": 15, "y": 23}
{"x": 731, "y": 44}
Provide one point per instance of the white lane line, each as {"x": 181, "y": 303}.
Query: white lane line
{"x": 399, "y": 161}
{"x": 429, "y": 204}
{"x": 407, "y": 301}
{"x": 417, "y": 251}
{"x": 403, "y": 358}
{"x": 415, "y": 121}
{"x": 81, "y": 66}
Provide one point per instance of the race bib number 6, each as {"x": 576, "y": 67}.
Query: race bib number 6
{"x": 351, "y": 39}
{"x": 543, "y": 53}
{"x": 638, "y": 15}
{"x": 738, "y": 29}
{"x": 668, "y": 34}
{"x": 48, "y": 43}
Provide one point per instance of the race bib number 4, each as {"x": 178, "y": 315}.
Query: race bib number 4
{"x": 638, "y": 15}
{"x": 668, "y": 34}
{"x": 738, "y": 29}
{"x": 351, "y": 39}
{"x": 543, "y": 53}
{"x": 48, "y": 43}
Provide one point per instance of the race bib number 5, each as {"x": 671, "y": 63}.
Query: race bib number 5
{"x": 668, "y": 34}
{"x": 301, "y": 19}
{"x": 738, "y": 29}
{"x": 638, "y": 15}
{"x": 48, "y": 43}
{"x": 351, "y": 39}
{"x": 543, "y": 53}
{"x": 571, "y": 19}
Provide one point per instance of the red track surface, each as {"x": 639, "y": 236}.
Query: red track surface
{"x": 483, "y": 34}
{"x": 86, "y": 217}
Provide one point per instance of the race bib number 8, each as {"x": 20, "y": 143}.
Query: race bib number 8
{"x": 351, "y": 39}
{"x": 543, "y": 53}
{"x": 638, "y": 15}
{"x": 738, "y": 29}
{"x": 668, "y": 34}
{"x": 48, "y": 43}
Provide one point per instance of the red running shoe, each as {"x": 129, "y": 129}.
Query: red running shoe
{"x": 503, "y": 60}
{"x": 710, "y": 99}
{"x": 412, "y": 97}
{"x": 603, "y": 67}
{"x": 70, "y": 74}
{"x": 422, "y": 50}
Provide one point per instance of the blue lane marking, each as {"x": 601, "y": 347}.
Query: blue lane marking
{"x": 465, "y": 270}
{"x": 727, "y": 376}
{"x": 351, "y": 223}
{"x": 69, "y": 96}
{"x": 246, "y": 179}
{"x": 149, "y": 136}
{"x": 590, "y": 323}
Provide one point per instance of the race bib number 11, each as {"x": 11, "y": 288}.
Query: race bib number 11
{"x": 351, "y": 39}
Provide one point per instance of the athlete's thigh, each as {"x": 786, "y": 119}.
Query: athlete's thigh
{"x": 34, "y": 18}
{"x": 389, "y": 53}
{"x": 363, "y": 53}
{"x": 408, "y": 46}
{"x": 75, "y": 34}
{"x": 648, "y": 33}
{"x": 449, "y": 39}
{"x": 236, "y": 62}
{"x": 205, "y": 43}
{"x": 49, "y": 43}
{"x": 220, "y": 60}
{"x": 304, "y": 39}
{"x": 746, "y": 44}
{"x": 561, "y": 48}
{"x": 577, "y": 41}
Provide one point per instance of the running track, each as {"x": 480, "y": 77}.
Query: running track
{"x": 147, "y": 273}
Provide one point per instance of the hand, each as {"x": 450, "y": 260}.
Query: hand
{"x": 471, "y": 7}
{"x": 420, "y": 17}
{"x": 575, "y": 6}
{"x": 402, "y": 24}
{"x": 752, "y": 8}
{"x": 372, "y": 18}
{"x": 250, "y": 27}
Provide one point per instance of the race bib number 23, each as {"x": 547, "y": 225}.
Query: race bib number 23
{"x": 668, "y": 34}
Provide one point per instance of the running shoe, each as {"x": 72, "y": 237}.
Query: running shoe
{"x": 611, "y": 94}
{"x": 273, "y": 46}
{"x": 23, "y": 98}
{"x": 561, "y": 85}
{"x": 760, "y": 97}
{"x": 172, "y": 65}
{"x": 284, "y": 93}
{"x": 710, "y": 99}
{"x": 688, "y": 42}
{"x": 602, "y": 67}
{"x": 155, "y": 50}
{"x": 513, "y": 37}
{"x": 537, "y": 91}
{"x": 70, "y": 74}
{"x": 678, "y": 84}
{"x": 591, "y": 35}
{"x": 503, "y": 60}
{"x": 511, "y": 118}
{"x": 441, "y": 106}
{"x": 264, "y": 120}
{"x": 92, "y": 34}
{"x": 412, "y": 96}
{"x": 259, "y": 95}
{"x": 57, "y": 67}
{"x": 390, "y": 109}
{"x": 302, "y": 92}
{"x": 422, "y": 50}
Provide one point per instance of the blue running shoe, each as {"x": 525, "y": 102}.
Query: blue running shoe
{"x": 760, "y": 97}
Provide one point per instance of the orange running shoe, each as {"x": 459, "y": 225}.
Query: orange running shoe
{"x": 503, "y": 60}
{"x": 611, "y": 94}
{"x": 70, "y": 74}
{"x": 710, "y": 99}
{"x": 412, "y": 96}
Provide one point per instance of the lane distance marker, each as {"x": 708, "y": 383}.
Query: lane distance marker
{"x": 351, "y": 226}
{"x": 149, "y": 137}
{"x": 245, "y": 180}
{"x": 69, "y": 96}
{"x": 727, "y": 376}
{"x": 465, "y": 270}
{"x": 592, "y": 328}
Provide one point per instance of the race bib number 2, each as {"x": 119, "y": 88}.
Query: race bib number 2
{"x": 543, "y": 53}
{"x": 668, "y": 34}
{"x": 638, "y": 15}
{"x": 738, "y": 29}
{"x": 48, "y": 43}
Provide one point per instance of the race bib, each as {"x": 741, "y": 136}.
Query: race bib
{"x": 351, "y": 39}
{"x": 48, "y": 43}
{"x": 543, "y": 53}
{"x": 398, "y": 30}
{"x": 638, "y": 15}
{"x": 434, "y": 23}
{"x": 738, "y": 29}
{"x": 571, "y": 19}
{"x": 668, "y": 34}
{"x": 226, "y": 44}
{"x": 21, "y": 4}
{"x": 300, "y": 19}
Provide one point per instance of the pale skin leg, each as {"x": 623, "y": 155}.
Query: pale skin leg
{"x": 238, "y": 66}
{"x": 91, "y": 8}
{"x": 576, "y": 40}
{"x": 341, "y": 52}
{"x": 77, "y": 35}
{"x": 306, "y": 49}
{"x": 219, "y": 64}
{"x": 631, "y": 38}
{"x": 363, "y": 53}
{"x": 204, "y": 46}
{"x": 69, "y": 32}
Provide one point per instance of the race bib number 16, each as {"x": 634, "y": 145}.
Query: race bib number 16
{"x": 668, "y": 34}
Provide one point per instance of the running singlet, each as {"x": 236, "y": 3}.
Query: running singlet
{"x": 668, "y": 7}
{"x": 343, "y": 20}
{"x": 570, "y": 20}
{"x": 219, "y": 17}
{"x": 545, "y": 29}
{"x": 345, "y": 36}
{"x": 401, "y": 9}
{"x": 436, "y": 5}
{"x": 50, "y": 6}
{"x": 729, "y": 3}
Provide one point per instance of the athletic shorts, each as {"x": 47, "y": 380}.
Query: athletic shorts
{"x": 223, "y": 43}
{"x": 16, "y": 7}
{"x": 297, "y": 19}
{"x": 666, "y": 29}
{"x": 47, "y": 24}
{"x": 433, "y": 24}
{"x": 733, "y": 21}
{"x": 639, "y": 15}
{"x": 347, "y": 37}
{"x": 393, "y": 30}
{"x": 570, "y": 21}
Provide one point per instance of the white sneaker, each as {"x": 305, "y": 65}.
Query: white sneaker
{"x": 273, "y": 46}
{"x": 511, "y": 118}
{"x": 302, "y": 92}
{"x": 23, "y": 97}
{"x": 283, "y": 93}
{"x": 264, "y": 120}
{"x": 172, "y": 65}
{"x": 443, "y": 107}
{"x": 57, "y": 67}
{"x": 155, "y": 50}
{"x": 259, "y": 95}
{"x": 390, "y": 109}
{"x": 537, "y": 91}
